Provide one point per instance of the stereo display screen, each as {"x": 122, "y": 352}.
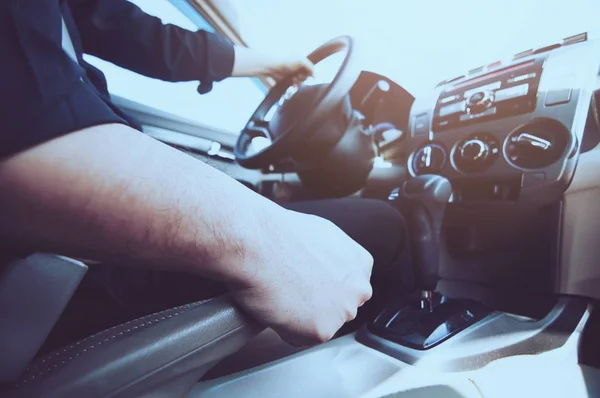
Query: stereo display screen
{"x": 498, "y": 94}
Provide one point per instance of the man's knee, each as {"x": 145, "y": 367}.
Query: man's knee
{"x": 374, "y": 224}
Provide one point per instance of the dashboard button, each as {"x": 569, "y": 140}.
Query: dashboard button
{"x": 531, "y": 179}
{"x": 445, "y": 123}
{"x": 456, "y": 107}
{"x": 558, "y": 97}
{"x": 421, "y": 126}
{"x": 512, "y": 92}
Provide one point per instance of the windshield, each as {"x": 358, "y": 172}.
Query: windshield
{"x": 417, "y": 43}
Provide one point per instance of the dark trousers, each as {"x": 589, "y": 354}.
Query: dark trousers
{"x": 111, "y": 294}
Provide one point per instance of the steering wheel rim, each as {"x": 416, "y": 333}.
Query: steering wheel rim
{"x": 304, "y": 125}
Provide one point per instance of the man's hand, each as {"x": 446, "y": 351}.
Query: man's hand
{"x": 281, "y": 67}
{"x": 252, "y": 63}
{"x": 310, "y": 280}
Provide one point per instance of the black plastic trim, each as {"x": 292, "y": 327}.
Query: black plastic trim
{"x": 507, "y": 335}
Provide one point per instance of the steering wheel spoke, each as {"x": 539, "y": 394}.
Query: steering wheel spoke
{"x": 259, "y": 128}
{"x": 289, "y": 111}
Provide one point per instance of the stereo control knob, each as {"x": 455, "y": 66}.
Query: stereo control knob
{"x": 474, "y": 150}
{"x": 480, "y": 101}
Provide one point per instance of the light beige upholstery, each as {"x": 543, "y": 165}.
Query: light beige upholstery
{"x": 523, "y": 376}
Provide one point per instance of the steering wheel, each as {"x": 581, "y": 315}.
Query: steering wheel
{"x": 298, "y": 115}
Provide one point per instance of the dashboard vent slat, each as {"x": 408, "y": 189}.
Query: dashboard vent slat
{"x": 476, "y": 70}
{"x": 575, "y": 39}
{"x": 547, "y": 48}
{"x": 523, "y": 54}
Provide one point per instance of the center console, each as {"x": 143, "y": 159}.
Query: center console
{"x": 510, "y": 130}
{"x": 508, "y": 136}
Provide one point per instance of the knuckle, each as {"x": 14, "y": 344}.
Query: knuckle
{"x": 368, "y": 258}
{"x": 368, "y": 292}
{"x": 321, "y": 332}
{"x": 324, "y": 335}
{"x": 368, "y": 261}
{"x": 351, "y": 313}
{"x": 365, "y": 295}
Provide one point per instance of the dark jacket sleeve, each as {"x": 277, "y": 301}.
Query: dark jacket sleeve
{"x": 120, "y": 32}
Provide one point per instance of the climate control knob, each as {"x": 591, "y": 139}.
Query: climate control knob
{"x": 474, "y": 150}
{"x": 537, "y": 144}
{"x": 429, "y": 159}
{"x": 476, "y": 153}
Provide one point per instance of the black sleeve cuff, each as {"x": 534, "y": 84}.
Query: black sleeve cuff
{"x": 218, "y": 61}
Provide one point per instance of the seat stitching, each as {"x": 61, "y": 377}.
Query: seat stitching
{"x": 174, "y": 312}
{"x": 89, "y": 348}
{"x": 57, "y": 353}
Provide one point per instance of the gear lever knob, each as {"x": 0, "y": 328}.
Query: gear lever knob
{"x": 424, "y": 199}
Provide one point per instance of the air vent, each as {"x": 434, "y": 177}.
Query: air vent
{"x": 547, "y": 48}
{"x": 455, "y": 79}
{"x": 575, "y": 39}
{"x": 448, "y": 81}
{"x": 523, "y": 54}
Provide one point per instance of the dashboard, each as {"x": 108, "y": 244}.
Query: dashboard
{"x": 507, "y": 131}
{"x": 387, "y": 110}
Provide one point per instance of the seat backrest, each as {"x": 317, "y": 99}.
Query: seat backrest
{"x": 33, "y": 294}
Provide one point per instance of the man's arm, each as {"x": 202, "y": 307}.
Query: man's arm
{"x": 120, "y": 32}
{"x": 112, "y": 193}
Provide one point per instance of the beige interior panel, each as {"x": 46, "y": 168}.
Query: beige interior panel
{"x": 580, "y": 249}
{"x": 536, "y": 376}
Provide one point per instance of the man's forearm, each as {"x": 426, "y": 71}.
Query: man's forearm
{"x": 249, "y": 62}
{"x": 111, "y": 193}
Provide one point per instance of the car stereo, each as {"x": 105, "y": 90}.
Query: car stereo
{"x": 498, "y": 94}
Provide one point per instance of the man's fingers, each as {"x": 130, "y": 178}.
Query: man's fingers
{"x": 309, "y": 68}
{"x": 298, "y": 79}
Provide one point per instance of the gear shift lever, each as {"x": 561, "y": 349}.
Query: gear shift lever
{"x": 422, "y": 325}
{"x": 425, "y": 199}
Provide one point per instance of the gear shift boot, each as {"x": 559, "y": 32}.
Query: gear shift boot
{"x": 415, "y": 327}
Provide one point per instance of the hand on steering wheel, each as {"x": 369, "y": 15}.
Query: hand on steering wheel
{"x": 298, "y": 68}
{"x": 252, "y": 63}
{"x": 296, "y": 117}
